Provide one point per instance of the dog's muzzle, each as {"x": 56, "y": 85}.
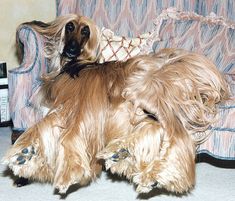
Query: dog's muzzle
{"x": 72, "y": 49}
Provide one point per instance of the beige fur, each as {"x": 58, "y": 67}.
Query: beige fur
{"x": 138, "y": 116}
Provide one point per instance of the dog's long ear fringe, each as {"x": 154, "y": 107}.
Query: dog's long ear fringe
{"x": 19, "y": 47}
{"x": 36, "y": 23}
{"x": 51, "y": 29}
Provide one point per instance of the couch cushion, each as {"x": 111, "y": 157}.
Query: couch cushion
{"x": 114, "y": 47}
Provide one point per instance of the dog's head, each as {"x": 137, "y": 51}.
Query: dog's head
{"x": 81, "y": 39}
{"x": 69, "y": 38}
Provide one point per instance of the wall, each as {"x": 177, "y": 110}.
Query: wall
{"x": 13, "y": 13}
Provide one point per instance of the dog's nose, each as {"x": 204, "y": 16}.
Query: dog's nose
{"x": 72, "y": 49}
{"x": 73, "y": 45}
{"x": 85, "y": 31}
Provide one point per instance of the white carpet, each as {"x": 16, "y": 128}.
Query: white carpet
{"x": 213, "y": 184}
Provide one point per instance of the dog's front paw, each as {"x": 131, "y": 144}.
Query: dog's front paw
{"x": 21, "y": 157}
{"x": 22, "y": 161}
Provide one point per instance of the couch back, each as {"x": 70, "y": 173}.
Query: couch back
{"x": 133, "y": 17}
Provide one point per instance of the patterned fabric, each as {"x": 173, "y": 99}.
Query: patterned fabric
{"x": 212, "y": 36}
{"x": 121, "y": 48}
{"x": 24, "y": 80}
{"x": 134, "y": 17}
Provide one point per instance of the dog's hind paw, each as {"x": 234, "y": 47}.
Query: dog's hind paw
{"x": 119, "y": 161}
{"x": 62, "y": 189}
{"x": 121, "y": 154}
{"x": 113, "y": 157}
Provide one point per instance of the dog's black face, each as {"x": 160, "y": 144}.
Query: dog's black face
{"x": 76, "y": 37}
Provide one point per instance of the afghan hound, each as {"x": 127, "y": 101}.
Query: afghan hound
{"x": 138, "y": 117}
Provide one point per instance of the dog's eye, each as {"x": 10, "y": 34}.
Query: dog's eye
{"x": 69, "y": 27}
{"x": 85, "y": 31}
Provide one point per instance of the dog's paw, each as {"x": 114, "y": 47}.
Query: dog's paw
{"x": 62, "y": 189}
{"x": 23, "y": 157}
{"x": 147, "y": 188}
{"x": 113, "y": 157}
{"x": 21, "y": 181}
{"x": 119, "y": 162}
{"x": 121, "y": 154}
{"x": 145, "y": 182}
{"x": 23, "y": 161}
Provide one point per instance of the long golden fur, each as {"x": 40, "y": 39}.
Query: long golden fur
{"x": 138, "y": 116}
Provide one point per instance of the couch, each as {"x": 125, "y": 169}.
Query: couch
{"x": 203, "y": 26}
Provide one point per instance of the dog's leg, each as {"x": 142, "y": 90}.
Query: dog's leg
{"x": 118, "y": 158}
{"x": 123, "y": 154}
{"x": 72, "y": 164}
{"x": 154, "y": 159}
{"x": 76, "y": 162}
{"x": 33, "y": 154}
{"x": 174, "y": 170}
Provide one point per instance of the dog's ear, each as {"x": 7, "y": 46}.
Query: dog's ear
{"x": 91, "y": 49}
{"x": 53, "y": 28}
{"x": 37, "y": 26}
{"x": 37, "y": 23}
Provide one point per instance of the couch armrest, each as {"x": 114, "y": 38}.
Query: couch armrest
{"x": 25, "y": 80}
{"x": 30, "y": 45}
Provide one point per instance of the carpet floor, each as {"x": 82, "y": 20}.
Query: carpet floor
{"x": 212, "y": 184}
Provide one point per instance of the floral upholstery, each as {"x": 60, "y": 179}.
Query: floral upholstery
{"x": 193, "y": 28}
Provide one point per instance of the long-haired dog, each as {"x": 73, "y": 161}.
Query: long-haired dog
{"x": 139, "y": 116}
